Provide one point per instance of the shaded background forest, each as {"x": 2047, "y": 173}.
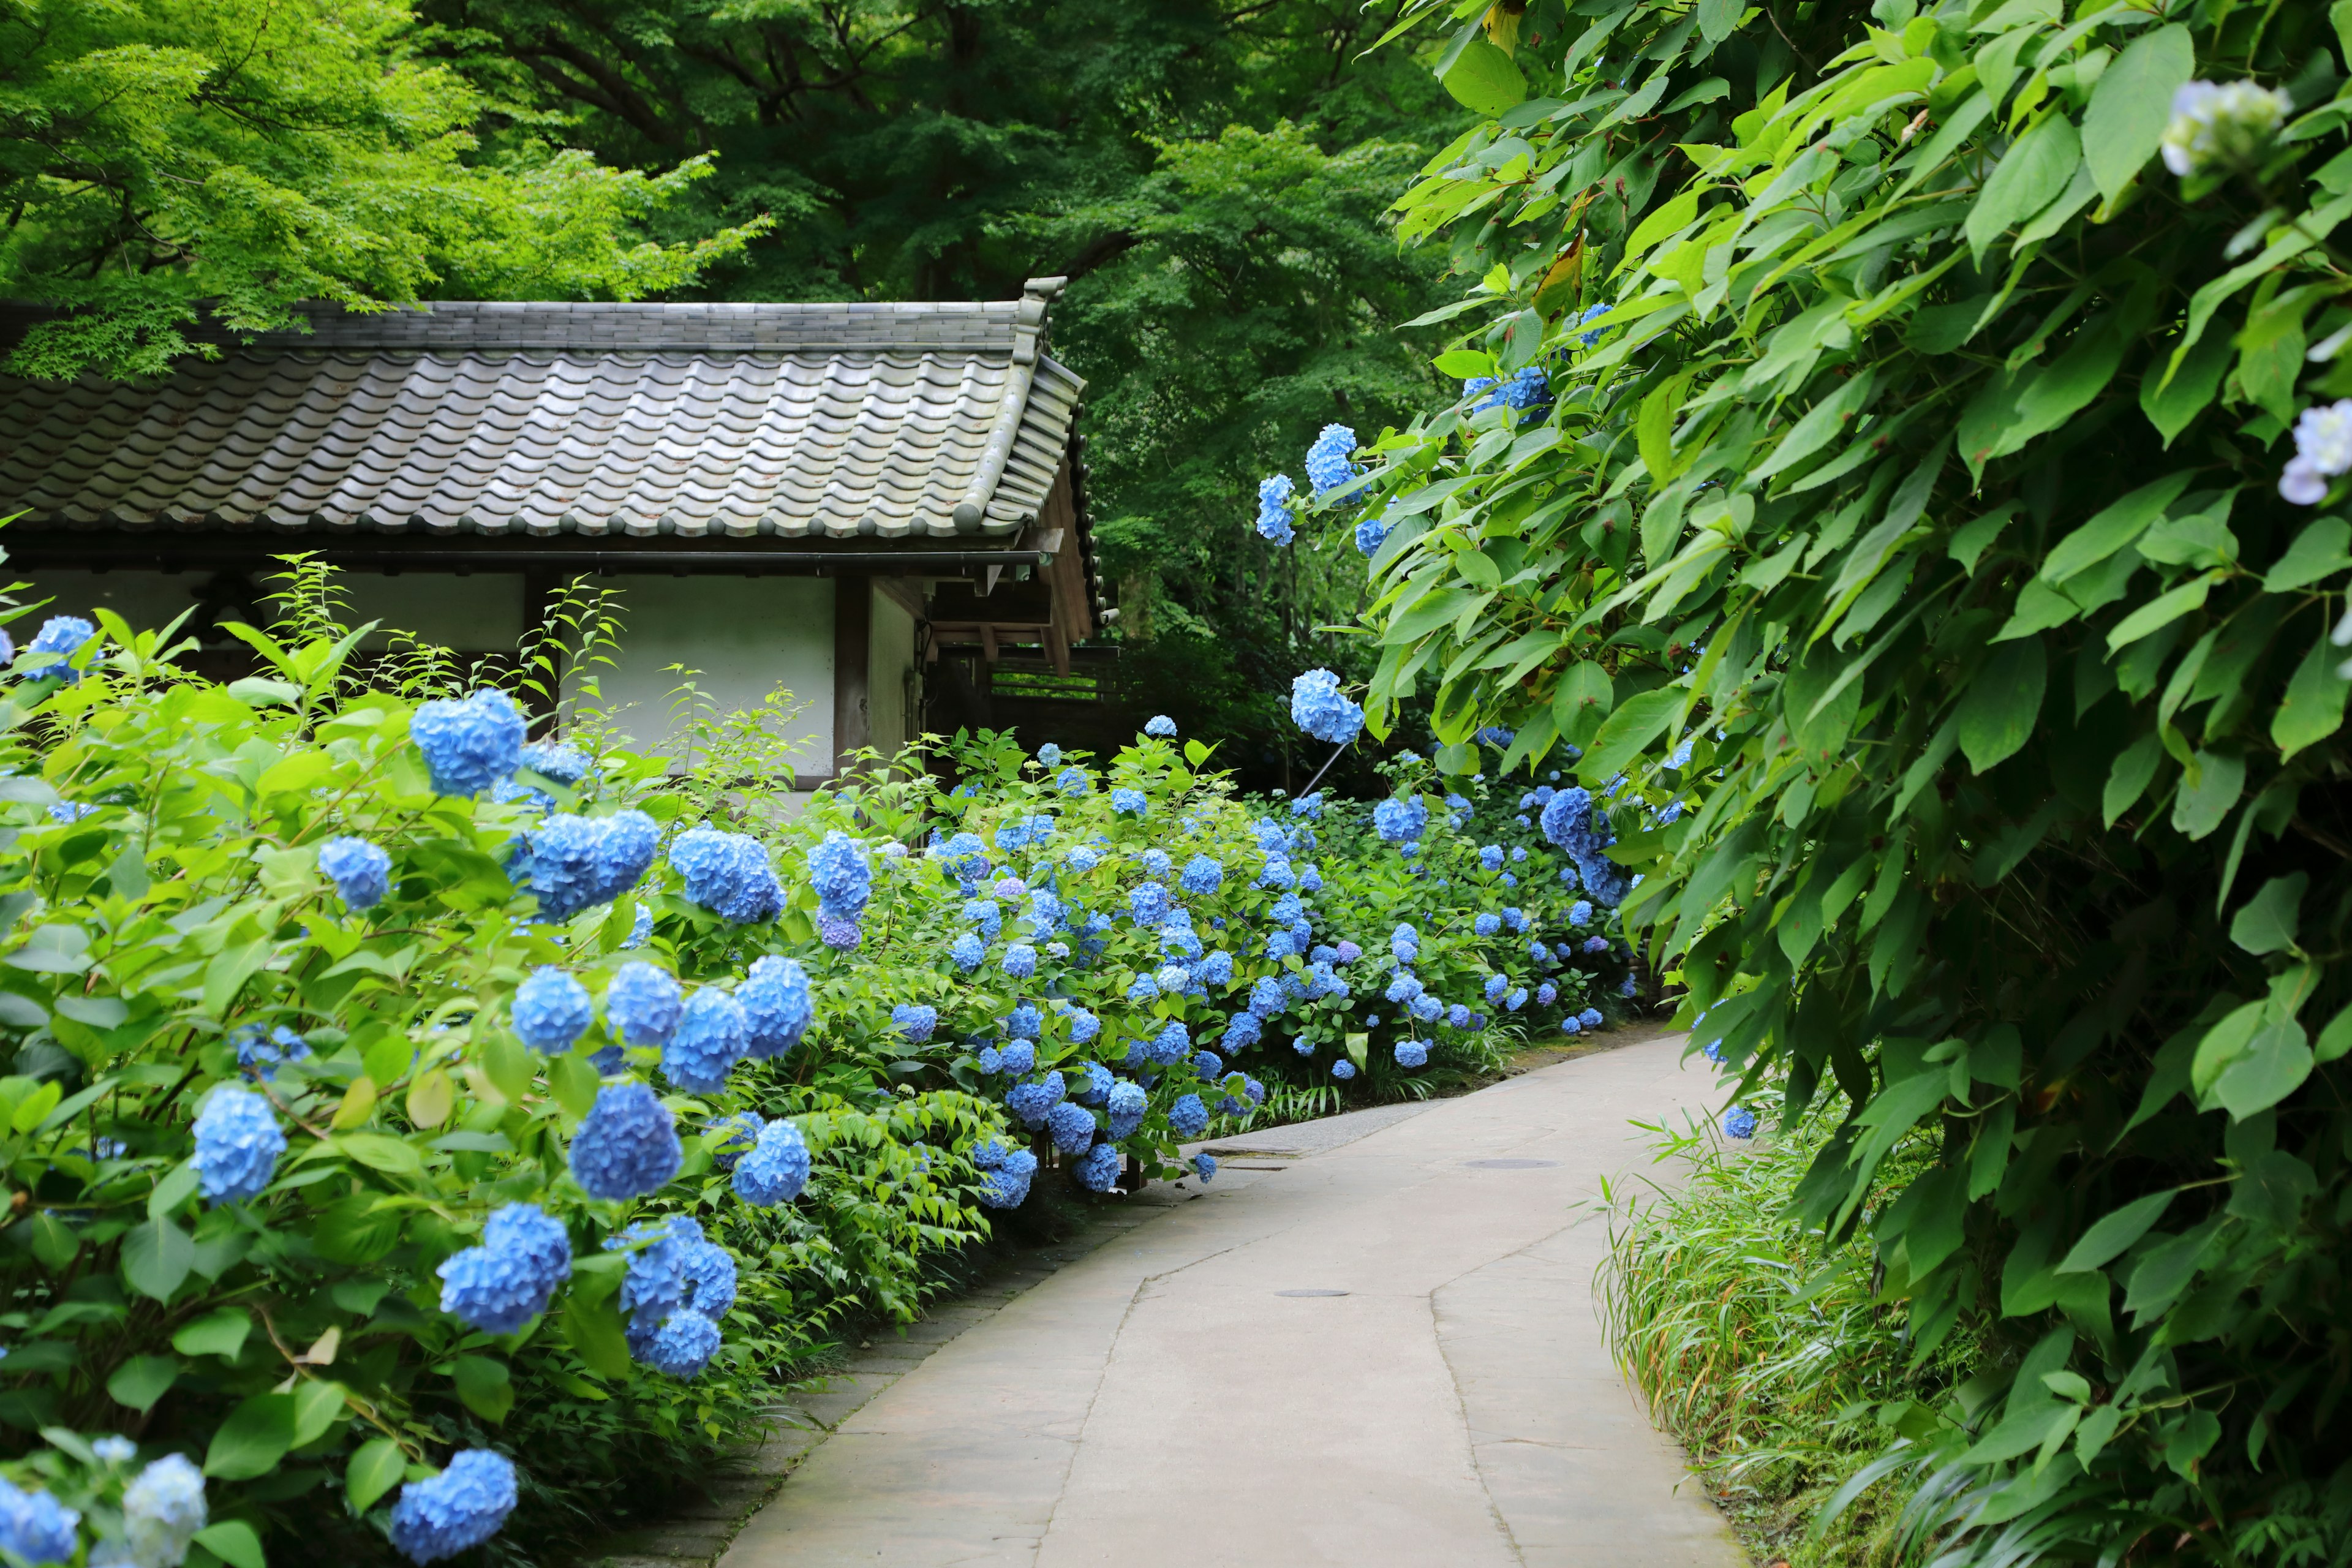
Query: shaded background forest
{"x": 1211, "y": 177}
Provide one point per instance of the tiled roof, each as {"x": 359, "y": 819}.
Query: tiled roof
{"x": 889, "y": 421}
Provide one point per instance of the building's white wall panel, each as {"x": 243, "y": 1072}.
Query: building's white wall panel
{"x": 745, "y": 635}
{"x": 890, "y": 665}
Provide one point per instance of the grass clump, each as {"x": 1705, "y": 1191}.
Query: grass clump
{"x": 1767, "y": 1352}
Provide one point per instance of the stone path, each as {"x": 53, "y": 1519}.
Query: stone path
{"x": 1372, "y": 1341}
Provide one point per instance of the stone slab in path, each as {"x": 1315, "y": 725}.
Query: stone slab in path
{"x": 1371, "y": 1344}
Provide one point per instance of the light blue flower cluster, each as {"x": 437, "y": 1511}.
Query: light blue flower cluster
{"x": 1343, "y": 1070}
{"x": 237, "y": 1145}
{"x": 1575, "y": 824}
{"x": 627, "y": 1145}
{"x": 1124, "y": 1110}
{"x": 838, "y": 871}
{"x": 361, "y": 871}
{"x": 965, "y": 856}
{"x": 1405, "y": 943}
{"x": 777, "y": 1008}
{"x": 776, "y": 1169}
{"x": 1372, "y": 531}
{"x": 1098, "y": 1169}
{"x": 1328, "y": 465}
{"x": 729, "y": 874}
{"x": 1740, "y": 1123}
{"x": 1009, "y": 1172}
{"x": 456, "y": 1511}
{"x": 915, "y": 1021}
{"x": 573, "y": 863}
{"x": 1401, "y": 819}
{"x": 968, "y": 951}
{"x": 508, "y": 1280}
{"x": 1128, "y": 802}
{"x": 1032, "y": 1103}
{"x": 643, "y": 1003}
{"x": 1274, "y": 505}
{"x": 1319, "y": 708}
{"x": 36, "y": 1527}
{"x": 1073, "y": 781}
{"x": 1411, "y": 1052}
{"x": 678, "y": 1287}
{"x": 1161, "y": 725}
{"x": 1486, "y": 924}
{"x": 551, "y": 1010}
{"x": 162, "y": 1508}
{"x": 470, "y": 743}
{"x": 711, "y": 1036}
{"x": 259, "y": 1051}
{"x": 1071, "y": 1127}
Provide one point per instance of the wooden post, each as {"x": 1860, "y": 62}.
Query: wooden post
{"x": 853, "y": 626}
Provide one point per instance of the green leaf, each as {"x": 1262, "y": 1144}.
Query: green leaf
{"x": 226, "y": 974}
{"x": 1675, "y": 216}
{"x": 1583, "y": 698}
{"x": 2003, "y": 700}
{"x": 2210, "y": 786}
{"x": 374, "y": 1469}
{"x": 1655, "y": 428}
{"x": 233, "y": 1541}
{"x": 142, "y": 1380}
{"x": 2268, "y": 922}
{"x": 1636, "y": 722}
{"x": 382, "y": 1151}
{"x": 1717, "y": 18}
{"x": 1973, "y": 539}
{"x": 594, "y": 1330}
{"x": 318, "y": 1404}
{"x": 573, "y": 1082}
{"x": 2112, "y": 527}
{"x": 156, "y": 1257}
{"x": 2336, "y": 1039}
{"x": 2313, "y": 709}
{"x": 176, "y": 1188}
{"x": 2132, "y": 105}
{"x": 2171, "y": 403}
{"x": 2030, "y": 176}
{"x": 1484, "y": 81}
{"x": 2128, "y": 777}
{"x": 484, "y": 1384}
{"x": 2222, "y": 1044}
{"x": 2271, "y": 1067}
{"x": 252, "y": 1439}
{"x": 2107, "y": 1240}
{"x": 1824, "y": 421}
{"x": 2319, "y": 550}
{"x": 220, "y": 1332}
{"x": 2161, "y": 611}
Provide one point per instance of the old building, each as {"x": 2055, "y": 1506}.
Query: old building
{"x": 866, "y": 504}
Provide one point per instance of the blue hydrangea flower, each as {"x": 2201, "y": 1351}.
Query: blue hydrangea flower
{"x": 361, "y": 871}
{"x": 1327, "y": 467}
{"x": 838, "y": 871}
{"x": 1098, "y": 1169}
{"x": 965, "y": 856}
{"x": 1740, "y": 1123}
{"x": 1216, "y": 969}
{"x": 506, "y": 1281}
{"x": 1032, "y": 1103}
{"x": 162, "y": 1508}
{"x": 681, "y": 1347}
{"x": 1496, "y": 986}
{"x": 470, "y": 743}
{"x": 1343, "y": 1070}
{"x": 776, "y": 1169}
{"x": 456, "y": 1511}
{"x": 1274, "y": 497}
{"x": 712, "y": 1035}
{"x": 1570, "y": 1025}
{"x": 1083, "y": 1025}
{"x": 1072, "y": 781}
{"x": 968, "y": 951}
{"x": 1009, "y": 1173}
{"x": 1400, "y": 820}
{"x": 1147, "y": 904}
{"x": 35, "y": 1526}
{"x": 1322, "y": 710}
{"x": 1098, "y": 1085}
{"x": 1125, "y": 1109}
{"x": 1072, "y": 1127}
{"x": 641, "y": 929}
{"x": 1546, "y": 994}
{"x": 1049, "y": 755}
{"x": 1579, "y": 913}
{"x": 1403, "y": 987}
{"x": 621, "y": 855}
{"x": 1596, "y": 944}
{"x": 1170, "y": 1045}
{"x": 1276, "y": 873}
{"x": 672, "y": 1268}
{"x": 1411, "y": 1052}
{"x": 553, "y": 759}
{"x": 1516, "y": 999}
{"x": 1487, "y": 924}
{"x": 1590, "y": 1018}
{"x": 731, "y": 1138}
{"x": 987, "y": 914}
{"x": 727, "y": 873}
{"x": 258, "y": 1051}
{"x": 642, "y": 1003}
{"x": 1572, "y": 822}
{"x": 1017, "y": 1057}
{"x": 915, "y": 1020}
{"x": 551, "y": 1010}
{"x": 62, "y": 635}
{"x": 1161, "y": 725}
{"x": 1128, "y": 802}
{"x": 627, "y": 1146}
{"x": 1020, "y": 961}
{"x": 1491, "y": 857}
{"x": 1372, "y": 531}
{"x": 777, "y": 1009}
{"x": 1083, "y": 859}
{"x": 1025, "y": 1022}
{"x": 238, "y": 1144}
{"x": 1204, "y": 1166}
{"x": 1208, "y": 1064}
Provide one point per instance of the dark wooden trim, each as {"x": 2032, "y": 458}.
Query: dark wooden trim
{"x": 852, "y": 668}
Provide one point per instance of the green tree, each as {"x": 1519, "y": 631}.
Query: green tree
{"x": 253, "y": 154}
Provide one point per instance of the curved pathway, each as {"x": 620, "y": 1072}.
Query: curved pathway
{"x": 1373, "y": 1340}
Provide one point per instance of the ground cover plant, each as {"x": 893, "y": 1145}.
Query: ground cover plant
{"x": 1911, "y": 438}
{"x": 423, "y": 1136}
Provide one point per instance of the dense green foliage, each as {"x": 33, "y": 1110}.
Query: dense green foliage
{"x": 1924, "y": 474}
{"x": 180, "y": 937}
{"x": 1211, "y": 177}
{"x": 250, "y": 156}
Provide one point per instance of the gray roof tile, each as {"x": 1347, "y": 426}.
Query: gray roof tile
{"x": 550, "y": 418}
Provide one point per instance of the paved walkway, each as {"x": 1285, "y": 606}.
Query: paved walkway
{"x": 1372, "y": 1343}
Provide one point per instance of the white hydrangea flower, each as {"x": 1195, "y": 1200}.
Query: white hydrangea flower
{"x": 2323, "y": 450}
{"x": 2211, "y": 121}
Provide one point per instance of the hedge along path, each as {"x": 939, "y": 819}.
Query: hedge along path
{"x": 1195, "y": 1391}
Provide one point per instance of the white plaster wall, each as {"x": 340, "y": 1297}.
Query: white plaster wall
{"x": 481, "y": 613}
{"x": 890, "y": 662}
{"x": 746, "y": 636}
